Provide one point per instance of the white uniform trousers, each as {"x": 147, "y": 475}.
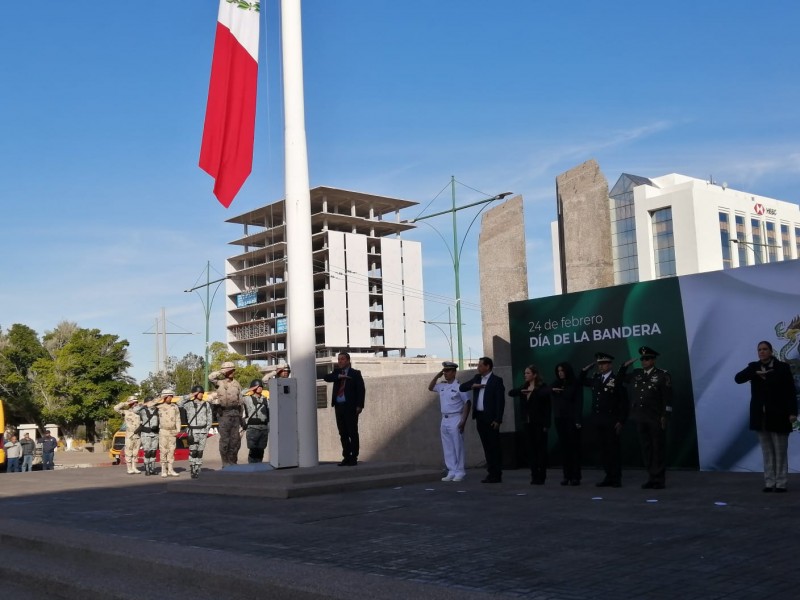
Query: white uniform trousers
{"x": 774, "y": 447}
{"x": 453, "y": 445}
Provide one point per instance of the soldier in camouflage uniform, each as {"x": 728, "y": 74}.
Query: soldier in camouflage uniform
{"x": 199, "y": 418}
{"x": 229, "y": 398}
{"x": 169, "y": 424}
{"x": 256, "y": 420}
{"x": 651, "y": 404}
{"x": 129, "y": 409}
{"x": 148, "y": 414}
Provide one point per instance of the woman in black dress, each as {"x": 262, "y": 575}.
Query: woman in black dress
{"x": 535, "y": 404}
{"x": 568, "y": 412}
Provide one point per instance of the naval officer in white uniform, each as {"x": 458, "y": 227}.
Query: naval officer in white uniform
{"x": 455, "y": 406}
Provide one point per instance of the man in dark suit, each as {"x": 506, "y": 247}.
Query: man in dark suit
{"x": 347, "y": 398}
{"x": 609, "y": 411}
{"x": 489, "y": 402}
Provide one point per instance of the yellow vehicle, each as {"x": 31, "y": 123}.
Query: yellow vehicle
{"x": 117, "y": 445}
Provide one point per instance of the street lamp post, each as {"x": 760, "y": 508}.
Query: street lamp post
{"x": 448, "y": 338}
{"x": 209, "y": 301}
{"x": 754, "y": 246}
{"x": 456, "y": 254}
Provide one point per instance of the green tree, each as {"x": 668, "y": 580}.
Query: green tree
{"x": 244, "y": 374}
{"x": 83, "y": 378}
{"x": 20, "y": 348}
{"x": 180, "y": 375}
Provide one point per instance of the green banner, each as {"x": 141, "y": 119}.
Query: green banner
{"x": 617, "y": 320}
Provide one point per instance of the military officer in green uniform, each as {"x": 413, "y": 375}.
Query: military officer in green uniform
{"x": 651, "y": 405}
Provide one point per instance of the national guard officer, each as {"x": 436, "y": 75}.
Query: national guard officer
{"x": 129, "y": 409}
{"x": 256, "y": 420}
{"x": 651, "y": 405}
{"x": 148, "y": 414}
{"x": 199, "y": 418}
{"x": 229, "y": 398}
{"x": 608, "y": 413}
{"x": 454, "y": 405}
{"x": 169, "y": 424}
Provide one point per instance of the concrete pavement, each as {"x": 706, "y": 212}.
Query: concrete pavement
{"x": 708, "y": 535}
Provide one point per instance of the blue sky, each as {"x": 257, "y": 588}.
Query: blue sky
{"x": 107, "y": 217}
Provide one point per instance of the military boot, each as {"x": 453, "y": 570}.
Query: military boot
{"x": 147, "y": 470}
{"x": 170, "y": 471}
{"x": 193, "y": 469}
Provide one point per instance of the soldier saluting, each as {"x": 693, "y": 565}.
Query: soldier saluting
{"x": 651, "y": 405}
{"x": 608, "y": 413}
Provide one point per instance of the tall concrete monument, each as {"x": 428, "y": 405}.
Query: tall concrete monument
{"x": 584, "y": 227}
{"x": 503, "y": 274}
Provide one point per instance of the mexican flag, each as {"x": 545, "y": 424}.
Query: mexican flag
{"x": 227, "y": 149}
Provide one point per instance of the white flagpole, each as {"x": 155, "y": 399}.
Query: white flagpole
{"x": 300, "y": 293}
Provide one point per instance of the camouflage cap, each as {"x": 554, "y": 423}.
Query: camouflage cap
{"x": 227, "y": 366}
{"x": 167, "y": 392}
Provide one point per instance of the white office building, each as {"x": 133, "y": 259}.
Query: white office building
{"x": 679, "y": 225}
{"x": 368, "y": 295}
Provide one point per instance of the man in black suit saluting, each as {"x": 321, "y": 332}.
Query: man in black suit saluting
{"x": 347, "y": 398}
{"x": 489, "y": 401}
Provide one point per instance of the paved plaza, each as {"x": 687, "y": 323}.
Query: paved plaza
{"x": 708, "y": 535}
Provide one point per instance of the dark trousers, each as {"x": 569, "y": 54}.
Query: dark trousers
{"x": 537, "y": 451}
{"x": 347, "y": 424}
{"x": 490, "y": 440}
{"x": 569, "y": 439}
{"x": 652, "y": 439}
{"x": 610, "y": 452}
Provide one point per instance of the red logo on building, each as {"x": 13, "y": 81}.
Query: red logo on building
{"x": 759, "y": 209}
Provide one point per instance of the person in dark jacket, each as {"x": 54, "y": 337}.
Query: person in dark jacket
{"x": 347, "y": 398}
{"x": 488, "y": 405}
{"x": 609, "y": 412}
{"x": 28, "y": 451}
{"x": 535, "y": 405}
{"x": 567, "y": 401}
{"x": 651, "y": 406}
{"x": 773, "y": 410}
{"x": 49, "y": 445}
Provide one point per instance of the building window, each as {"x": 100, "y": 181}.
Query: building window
{"x": 623, "y": 233}
{"x": 725, "y": 240}
{"x": 772, "y": 243}
{"x": 741, "y": 235}
{"x": 797, "y": 241}
{"x": 663, "y": 242}
{"x": 758, "y": 241}
{"x": 786, "y": 243}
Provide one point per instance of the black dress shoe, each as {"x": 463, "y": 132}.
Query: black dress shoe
{"x": 565, "y": 482}
{"x": 345, "y": 462}
{"x": 616, "y": 484}
{"x": 492, "y": 480}
{"x": 537, "y": 481}
{"x": 604, "y": 483}
{"x": 780, "y": 490}
{"x": 648, "y": 485}
{"x": 658, "y": 486}
{"x": 352, "y": 462}
{"x": 768, "y": 489}
{"x": 574, "y": 482}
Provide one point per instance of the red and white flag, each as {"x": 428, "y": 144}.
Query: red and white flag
{"x": 227, "y": 150}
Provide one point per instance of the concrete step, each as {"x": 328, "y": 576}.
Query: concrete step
{"x": 311, "y": 481}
